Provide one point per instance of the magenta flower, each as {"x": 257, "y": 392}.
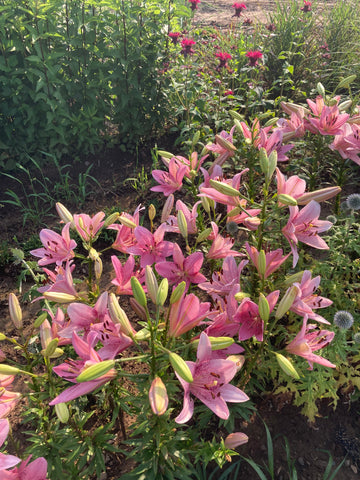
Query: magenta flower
{"x": 125, "y": 237}
{"x": 274, "y": 142}
{"x": 307, "y": 301}
{"x": 211, "y": 383}
{"x": 225, "y": 281}
{"x": 194, "y": 4}
{"x": 57, "y": 248}
{"x": 123, "y": 275}
{"x": 60, "y": 281}
{"x": 151, "y": 247}
{"x": 307, "y": 341}
{"x": 186, "y": 314}
{"x": 170, "y": 181}
{"x": 253, "y": 56}
{"x": 182, "y": 269}
{"x": 187, "y": 44}
{"x": 330, "y": 121}
{"x": 174, "y": 37}
{"x": 273, "y": 259}
{"x": 225, "y": 149}
{"x": 293, "y": 186}
{"x": 88, "y": 227}
{"x": 190, "y": 217}
{"x": 223, "y": 58}
{"x": 228, "y": 92}
{"x": 293, "y": 127}
{"x": 251, "y": 324}
{"x": 221, "y": 247}
{"x": 252, "y": 135}
{"x": 239, "y": 7}
{"x": 71, "y": 369}
{"x": 36, "y": 470}
{"x": 306, "y": 7}
{"x": 6, "y": 461}
{"x": 305, "y": 226}
{"x": 347, "y": 143}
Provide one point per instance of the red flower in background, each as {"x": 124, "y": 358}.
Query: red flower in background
{"x": 239, "y": 7}
{"x": 306, "y": 7}
{"x": 253, "y": 56}
{"x": 194, "y": 4}
{"x": 186, "y": 47}
{"x": 223, "y": 58}
{"x": 174, "y": 37}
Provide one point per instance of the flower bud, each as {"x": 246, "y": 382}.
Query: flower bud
{"x": 285, "y": 199}
{"x": 239, "y": 296}
{"x": 162, "y": 292}
{"x": 64, "y": 214}
{"x": 158, "y": 397}
{"x": 264, "y": 308}
{"x": 203, "y": 235}
{"x": 235, "y": 440}
{"x": 343, "y": 106}
{"x": 346, "y": 81}
{"x": 98, "y": 268}
{"x": 239, "y": 360}
{"x": 205, "y": 203}
{"x": 252, "y": 223}
{"x": 177, "y": 292}
{"x": 142, "y": 334}
{"x": 151, "y": 283}
{"x": 167, "y": 208}
{"x": 40, "y": 319}
{"x": 320, "y": 88}
{"x": 262, "y": 263}
{"x": 138, "y": 309}
{"x": 15, "y": 311}
{"x": 235, "y": 211}
{"x": 50, "y": 348}
{"x": 271, "y": 122}
{"x": 138, "y": 291}
{"x": 287, "y": 366}
{"x": 59, "y": 297}
{"x": 165, "y": 154}
{"x": 96, "y": 370}
{"x": 182, "y": 224}
{"x": 151, "y": 212}
{"x": 236, "y": 115}
{"x": 296, "y": 277}
{"x": 264, "y": 161}
{"x": 118, "y": 315}
{"x": 62, "y": 412}
{"x": 180, "y": 367}
{"x": 2, "y": 337}
{"x": 8, "y": 369}
{"x": 217, "y": 343}
{"x": 318, "y": 195}
{"x": 287, "y": 301}
{"x": 224, "y": 188}
{"x": 225, "y": 143}
{"x": 127, "y": 222}
{"x": 111, "y": 219}
{"x": 272, "y": 163}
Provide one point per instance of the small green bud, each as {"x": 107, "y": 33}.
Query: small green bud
{"x": 272, "y": 163}
{"x": 346, "y": 81}
{"x": 151, "y": 283}
{"x": 239, "y": 296}
{"x": 95, "y": 371}
{"x": 59, "y": 297}
{"x": 264, "y": 161}
{"x": 138, "y": 292}
{"x": 40, "y": 320}
{"x": 165, "y": 154}
{"x": 111, "y": 219}
{"x": 262, "y": 263}
{"x": 162, "y": 292}
{"x": 142, "y": 334}
{"x": 320, "y": 88}
{"x": 287, "y": 366}
{"x": 182, "y": 224}
{"x": 2, "y": 337}
{"x": 217, "y": 343}
{"x": 264, "y": 308}
{"x": 15, "y": 311}
{"x": 50, "y": 348}
{"x": 62, "y": 412}
{"x": 287, "y": 301}
{"x": 203, "y": 235}
{"x": 180, "y": 367}
{"x": 8, "y": 369}
{"x": 177, "y": 292}
{"x": 151, "y": 212}
{"x": 224, "y": 188}
{"x": 236, "y": 115}
{"x": 286, "y": 199}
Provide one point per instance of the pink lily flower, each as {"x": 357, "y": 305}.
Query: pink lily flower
{"x": 6, "y": 461}
{"x": 123, "y": 275}
{"x": 330, "y": 121}
{"x": 347, "y": 143}
{"x": 60, "y": 281}
{"x": 211, "y": 383}
{"x": 71, "y": 369}
{"x": 304, "y": 226}
{"x": 170, "y": 181}
{"x": 192, "y": 165}
{"x": 274, "y": 142}
{"x": 182, "y": 269}
{"x": 221, "y": 246}
{"x": 213, "y": 194}
{"x": 224, "y": 149}
{"x": 186, "y": 314}
{"x": 247, "y": 314}
{"x": 293, "y": 186}
{"x": 36, "y": 470}
{"x": 125, "y": 237}
{"x": 151, "y": 247}
{"x": 307, "y": 341}
{"x": 110, "y": 335}
{"x": 247, "y": 216}
{"x": 222, "y": 320}
{"x": 307, "y": 301}
{"x": 225, "y": 281}
{"x": 57, "y": 248}
{"x": 252, "y": 135}
{"x": 87, "y": 227}
{"x": 190, "y": 217}
{"x": 293, "y": 127}
{"x": 274, "y": 259}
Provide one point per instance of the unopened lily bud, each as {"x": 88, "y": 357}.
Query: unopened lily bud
{"x": 138, "y": 291}
{"x": 8, "y": 369}
{"x": 318, "y": 195}
{"x": 224, "y": 188}
{"x": 97, "y": 370}
{"x": 64, "y": 214}
{"x": 158, "y": 397}
{"x": 239, "y": 360}
{"x": 62, "y": 412}
{"x": 138, "y": 309}
{"x": 271, "y": 122}
{"x": 127, "y": 222}
{"x": 272, "y": 163}
{"x": 93, "y": 254}
{"x": 287, "y": 301}
{"x": 196, "y": 138}
{"x": 285, "y": 199}
{"x": 142, "y": 334}
{"x": 45, "y": 333}
{"x": 162, "y": 292}
{"x": 203, "y": 235}
{"x": 165, "y": 154}
{"x": 239, "y": 127}
{"x": 181, "y": 367}
{"x": 287, "y": 366}
{"x": 236, "y": 115}
{"x": 2, "y": 337}
{"x": 225, "y": 143}
{"x": 167, "y": 208}
{"x": 264, "y": 308}
{"x": 346, "y": 81}
{"x": 235, "y": 211}
{"x": 217, "y": 343}
{"x": 98, "y": 268}
{"x": 296, "y": 277}
{"x": 264, "y": 161}
{"x": 40, "y": 319}
{"x": 343, "y": 106}
{"x": 50, "y": 348}
{"x": 151, "y": 283}
{"x": 239, "y": 296}
{"x": 182, "y": 224}
{"x": 177, "y": 292}
{"x": 235, "y": 440}
{"x": 252, "y": 223}
{"x": 15, "y": 311}
{"x": 118, "y": 315}
{"x": 262, "y": 263}
{"x": 321, "y": 89}
{"x": 151, "y": 212}
{"x": 59, "y": 297}
{"x": 111, "y": 219}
